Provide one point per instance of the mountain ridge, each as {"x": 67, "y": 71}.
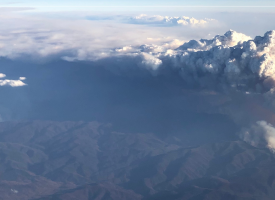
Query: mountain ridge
{"x": 61, "y": 160}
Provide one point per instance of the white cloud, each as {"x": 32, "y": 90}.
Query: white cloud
{"x": 259, "y": 135}
{"x": 12, "y": 83}
{"x": 229, "y": 39}
{"x": 38, "y": 37}
{"x": 197, "y": 60}
{"x": 167, "y": 20}
{"x": 124, "y": 49}
{"x": 151, "y": 62}
{"x": 232, "y": 59}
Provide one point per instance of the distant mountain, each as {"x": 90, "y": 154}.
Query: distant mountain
{"x": 48, "y": 160}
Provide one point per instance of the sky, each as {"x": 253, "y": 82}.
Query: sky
{"x": 138, "y": 3}
{"x": 124, "y": 5}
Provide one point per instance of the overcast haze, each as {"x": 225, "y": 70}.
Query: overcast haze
{"x": 132, "y": 95}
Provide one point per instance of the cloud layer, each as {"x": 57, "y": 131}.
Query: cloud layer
{"x": 81, "y": 38}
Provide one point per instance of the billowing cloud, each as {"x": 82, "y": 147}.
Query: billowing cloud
{"x": 150, "y": 61}
{"x": 229, "y": 39}
{"x": 166, "y": 20}
{"x": 261, "y": 134}
{"x": 233, "y": 60}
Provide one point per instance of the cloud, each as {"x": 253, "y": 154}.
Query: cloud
{"x": 230, "y": 61}
{"x": 234, "y": 65}
{"x": 156, "y": 20}
{"x": 233, "y": 61}
{"x": 166, "y": 20}
{"x": 73, "y": 40}
{"x": 261, "y": 134}
{"x": 10, "y": 97}
{"x": 2, "y": 75}
{"x": 40, "y": 37}
{"x": 12, "y": 83}
{"x": 229, "y": 39}
{"x": 150, "y": 61}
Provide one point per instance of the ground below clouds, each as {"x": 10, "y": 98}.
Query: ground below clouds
{"x": 79, "y": 160}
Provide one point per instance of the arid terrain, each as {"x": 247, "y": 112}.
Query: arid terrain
{"x": 79, "y": 160}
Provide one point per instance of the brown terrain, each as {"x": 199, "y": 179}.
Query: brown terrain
{"x": 46, "y": 160}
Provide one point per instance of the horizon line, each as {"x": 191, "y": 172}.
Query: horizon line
{"x": 128, "y": 6}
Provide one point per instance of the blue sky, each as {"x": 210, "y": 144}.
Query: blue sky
{"x": 83, "y": 4}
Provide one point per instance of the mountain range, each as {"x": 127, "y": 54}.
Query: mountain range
{"x": 50, "y": 160}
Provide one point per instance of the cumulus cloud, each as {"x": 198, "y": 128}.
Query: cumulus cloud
{"x": 230, "y": 61}
{"x": 166, "y": 20}
{"x": 224, "y": 61}
{"x": 233, "y": 60}
{"x": 12, "y": 83}
{"x": 261, "y": 134}
{"x": 150, "y": 61}
{"x": 2, "y": 75}
{"x": 229, "y": 39}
